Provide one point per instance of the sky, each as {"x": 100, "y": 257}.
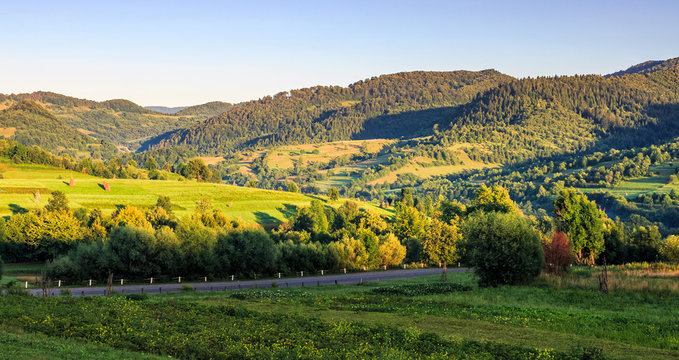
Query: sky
{"x": 176, "y": 53}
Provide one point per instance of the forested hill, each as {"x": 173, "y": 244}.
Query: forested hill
{"x": 649, "y": 67}
{"x": 530, "y": 118}
{"x": 119, "y": 121}
{"x": 30, "y": 124}
{"x": 398, "y": 105}
{"x": 210, "y": 109}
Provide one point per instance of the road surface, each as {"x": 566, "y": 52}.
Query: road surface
{"x": 343, "y": 279}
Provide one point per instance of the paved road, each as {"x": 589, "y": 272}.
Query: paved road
{"x": 344, "y": 279}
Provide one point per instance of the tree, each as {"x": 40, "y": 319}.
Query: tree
{"x": 348, "y": 253}
{"x": 292, "y": 187}
{"x": 669, "y": 250}
{"x": 151, "y": 164}
{"x": 391, "y": 251}
{"x": 406, "y": 197}
{"x": 57, "y": 202}
{"x": 440, "y": 244}
{"x": 503, "y": 248}
{"x": 249, "y": 252}
{"x": 645, "y": 243}
{"x": 557, "y": 252}
{"x": 582, "y": 222}
{"x": 196, "y": 169}
{"x": 130, "y": 216}
{"x": 408, "y": 222}
{"x": 333, "y": 194}
{"x": 2, "y": 265}
{"x": 130, "y": 252}
{"x": 493, "y": 199}
{"x": 165, "y": 203}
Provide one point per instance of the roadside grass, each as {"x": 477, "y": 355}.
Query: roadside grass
{"x": 546, "y": 317}
{"x": 22, "y": 346}
{"x": 626, "y": 323}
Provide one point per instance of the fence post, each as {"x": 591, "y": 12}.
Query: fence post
{"x": 345, "y": 270}
{"x": 279, "y": 275}
{"x": 58, "y": 283}
{"x": 26, "y": 286}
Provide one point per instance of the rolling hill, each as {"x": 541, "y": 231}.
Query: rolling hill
{"x": 30, "y": 124}
{"x": 120, "y": 122}
{"x": 389, "y": 106}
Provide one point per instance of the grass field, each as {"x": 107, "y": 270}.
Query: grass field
{"x": 564, "y": 318}
{"x": 656, "y": 183}
{"x": 22, "y": 182}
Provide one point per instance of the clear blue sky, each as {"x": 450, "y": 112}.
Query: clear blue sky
{"x": 188, "y": 52}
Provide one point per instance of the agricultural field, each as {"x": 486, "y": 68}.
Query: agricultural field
{"x": 285, "y": 157}
{"x": 423, "y": 168}
{"x": 552, "y": 318}
{"x": 21, "y": 183}
{"x": 659, "y": 182}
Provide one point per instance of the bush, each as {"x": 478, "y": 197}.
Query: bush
{"x": 14, "y": 288}
{"x": 1, "y": 267}
{"x": 503, "y": 248}
{"x": 557, "y": 253}
{"x": 186, "y": 287}
{"x": 422, "y": 289}
{"x": 669, "y": 250}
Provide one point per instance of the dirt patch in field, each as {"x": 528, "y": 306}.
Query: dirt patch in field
{"x": 212, "y": 160}
{"x": 7, "y": 132}
{"x": 84, "y": 131}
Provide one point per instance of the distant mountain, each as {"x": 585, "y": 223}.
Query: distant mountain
{"x": 399, "y": 105}
{"x": 164, "y": 109}
{"x": 649, "y": 67}
{"x": 118, "y": 121}
{"x": 31, "y": 124}
{"x": 210, "y": 109}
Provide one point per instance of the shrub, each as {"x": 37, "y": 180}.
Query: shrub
{"x": 186, "y": 287}
{"x": 14, "y": 288}
{"x": 669, "y": 250}
{"x": 503, "y": 248}
{"x": 422, "y": 289}
{"x": 1, "y": 267}
{"x": 557, "y": 253}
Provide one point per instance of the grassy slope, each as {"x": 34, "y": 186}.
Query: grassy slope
{"x": 251, "y": 205}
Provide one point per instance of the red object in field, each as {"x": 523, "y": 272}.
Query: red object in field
{"x": 72, "y": 182}
{"x": 107, "y": 186}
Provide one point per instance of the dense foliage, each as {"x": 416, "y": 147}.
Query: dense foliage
{"x": 387, "y": 106}
{"x": 30, "y": 124}
{"x": 504, "y": 249}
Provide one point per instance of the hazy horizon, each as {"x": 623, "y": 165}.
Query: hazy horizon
{"x": 178, "y": 54}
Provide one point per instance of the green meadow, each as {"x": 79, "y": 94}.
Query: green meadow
{"x": 21, "y": 183}
{"x": 552, "y": 318}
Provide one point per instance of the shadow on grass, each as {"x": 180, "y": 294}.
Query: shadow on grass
{"x": 263, "y": 218}
{"x": 17, "y": 209}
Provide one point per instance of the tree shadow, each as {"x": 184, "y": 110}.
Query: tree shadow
{"x": 102, "y": 186}
{"x": 17, "y": 209}
{"x": 263, "y": 218}
{"x": 409, "y": 124}
{"x": 288, "y": 210}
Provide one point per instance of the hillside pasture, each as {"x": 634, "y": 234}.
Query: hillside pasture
{"x": 21, "y": 183}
